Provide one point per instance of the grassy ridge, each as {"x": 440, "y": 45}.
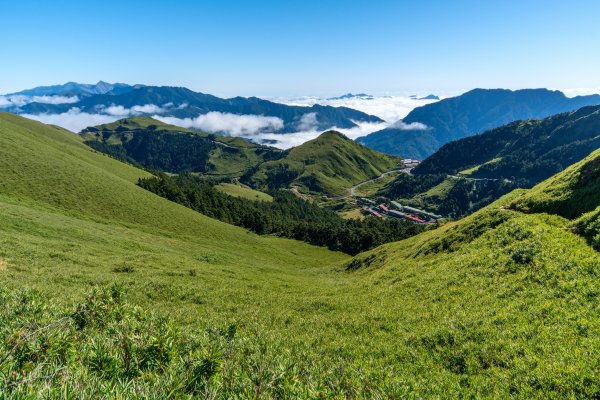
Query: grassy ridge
{"x": 154, "y": 145}
{"x": 329, "y": 164}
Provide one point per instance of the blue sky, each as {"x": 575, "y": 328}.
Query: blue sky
{"x": 284, "y": 48}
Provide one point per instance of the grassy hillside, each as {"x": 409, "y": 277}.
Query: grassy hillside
{"x": 570, "y": 194}
{"x": 501, "y": 304}
{"x": 70, "y": 212}
{"x": 575, "y": 193}
{"x": 481, "y": 168}
{"x": 329, "y": 164}
{"x": 152, "y": 144}
{"x": 243, "y": 191}
{"x": 529, "y": 151}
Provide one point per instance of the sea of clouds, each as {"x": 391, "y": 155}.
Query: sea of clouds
{"x": 258, "y": 128}
{"x": 388, "y": 108}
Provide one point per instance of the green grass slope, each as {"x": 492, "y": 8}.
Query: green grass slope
{"x": 503, "y": 296}
{"x": 152, "y": 144}
{"x": 573, "y": 194}
{"x": 239, "y": 190}
{"x": 63, "y": 201}
{"x": 501, "y": 304}
{"x": 329, "y": 164}
{"x": 570, "y": 194}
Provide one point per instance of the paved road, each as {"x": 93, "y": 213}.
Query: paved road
{"x": 353, "y": 188}
{"x": 477, "y": 179}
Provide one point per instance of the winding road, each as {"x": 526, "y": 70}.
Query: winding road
{"x": 353, "y": 188}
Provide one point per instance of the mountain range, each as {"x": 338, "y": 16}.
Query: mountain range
{"x": 78, "y": 89}
{"x": 425, "y": 129}
{"x": 178, "y": 102}
{"x": 469, "y": 173}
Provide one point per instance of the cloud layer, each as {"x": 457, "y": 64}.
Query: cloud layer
{"x": 74, "y": 120}
{"x": 285, "y": 141}
{"x": 231, "y": 124}
{"x": 258, "y": 128}
{"x": 20, "y": 100}
{"x": 388, "y": 108}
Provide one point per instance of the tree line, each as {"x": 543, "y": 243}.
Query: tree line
{"x": 286, "y": 216}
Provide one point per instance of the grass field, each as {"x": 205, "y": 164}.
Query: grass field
{"x": 238, "y": 190}
{"x": 501, "y": 304}
{"x": 353, "y": 214}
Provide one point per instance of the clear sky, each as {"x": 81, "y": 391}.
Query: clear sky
{"x": 308, "y": 47}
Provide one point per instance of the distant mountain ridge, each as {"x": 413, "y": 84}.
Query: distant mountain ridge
{"x": 77, "y": 89}
{"x": 468, "y": 114}
{"x": 352, "y": 96}
{"x": 180, "y": 102}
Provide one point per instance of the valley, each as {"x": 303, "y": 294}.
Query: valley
{"x": 271, "y": 200}
{"x": 454, "y": 304}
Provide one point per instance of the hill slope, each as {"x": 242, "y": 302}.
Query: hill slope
{"x": 501, "y": 304}
{"x": 329, "y": 164}
{"x": 49, "y": 176}
{"x": 155, "y": 145}
{"x": 530, "y": 151}
{"x": 468, "y": 114}
{"x": 502, "y": 290}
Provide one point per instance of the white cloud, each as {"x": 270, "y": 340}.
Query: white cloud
{"x": 147, "y": 109}
{"x": 308, "y": 122}
{"x": 16, "y": 101}
{"x": 55, "y": 99}
{"x": 4, "y": 102}
{"x": 285, "y": 141}
{"x": 388, "y": 108}
{"x": 20, "y": 100}
{"x": 73, "y": 120}
{"x": 413, "y": 126}
{"x": 121, "y": 111}
{"x": 232, "y": 124}
{"x": 579, "y": 91}
{"x": 117, "y": 111}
